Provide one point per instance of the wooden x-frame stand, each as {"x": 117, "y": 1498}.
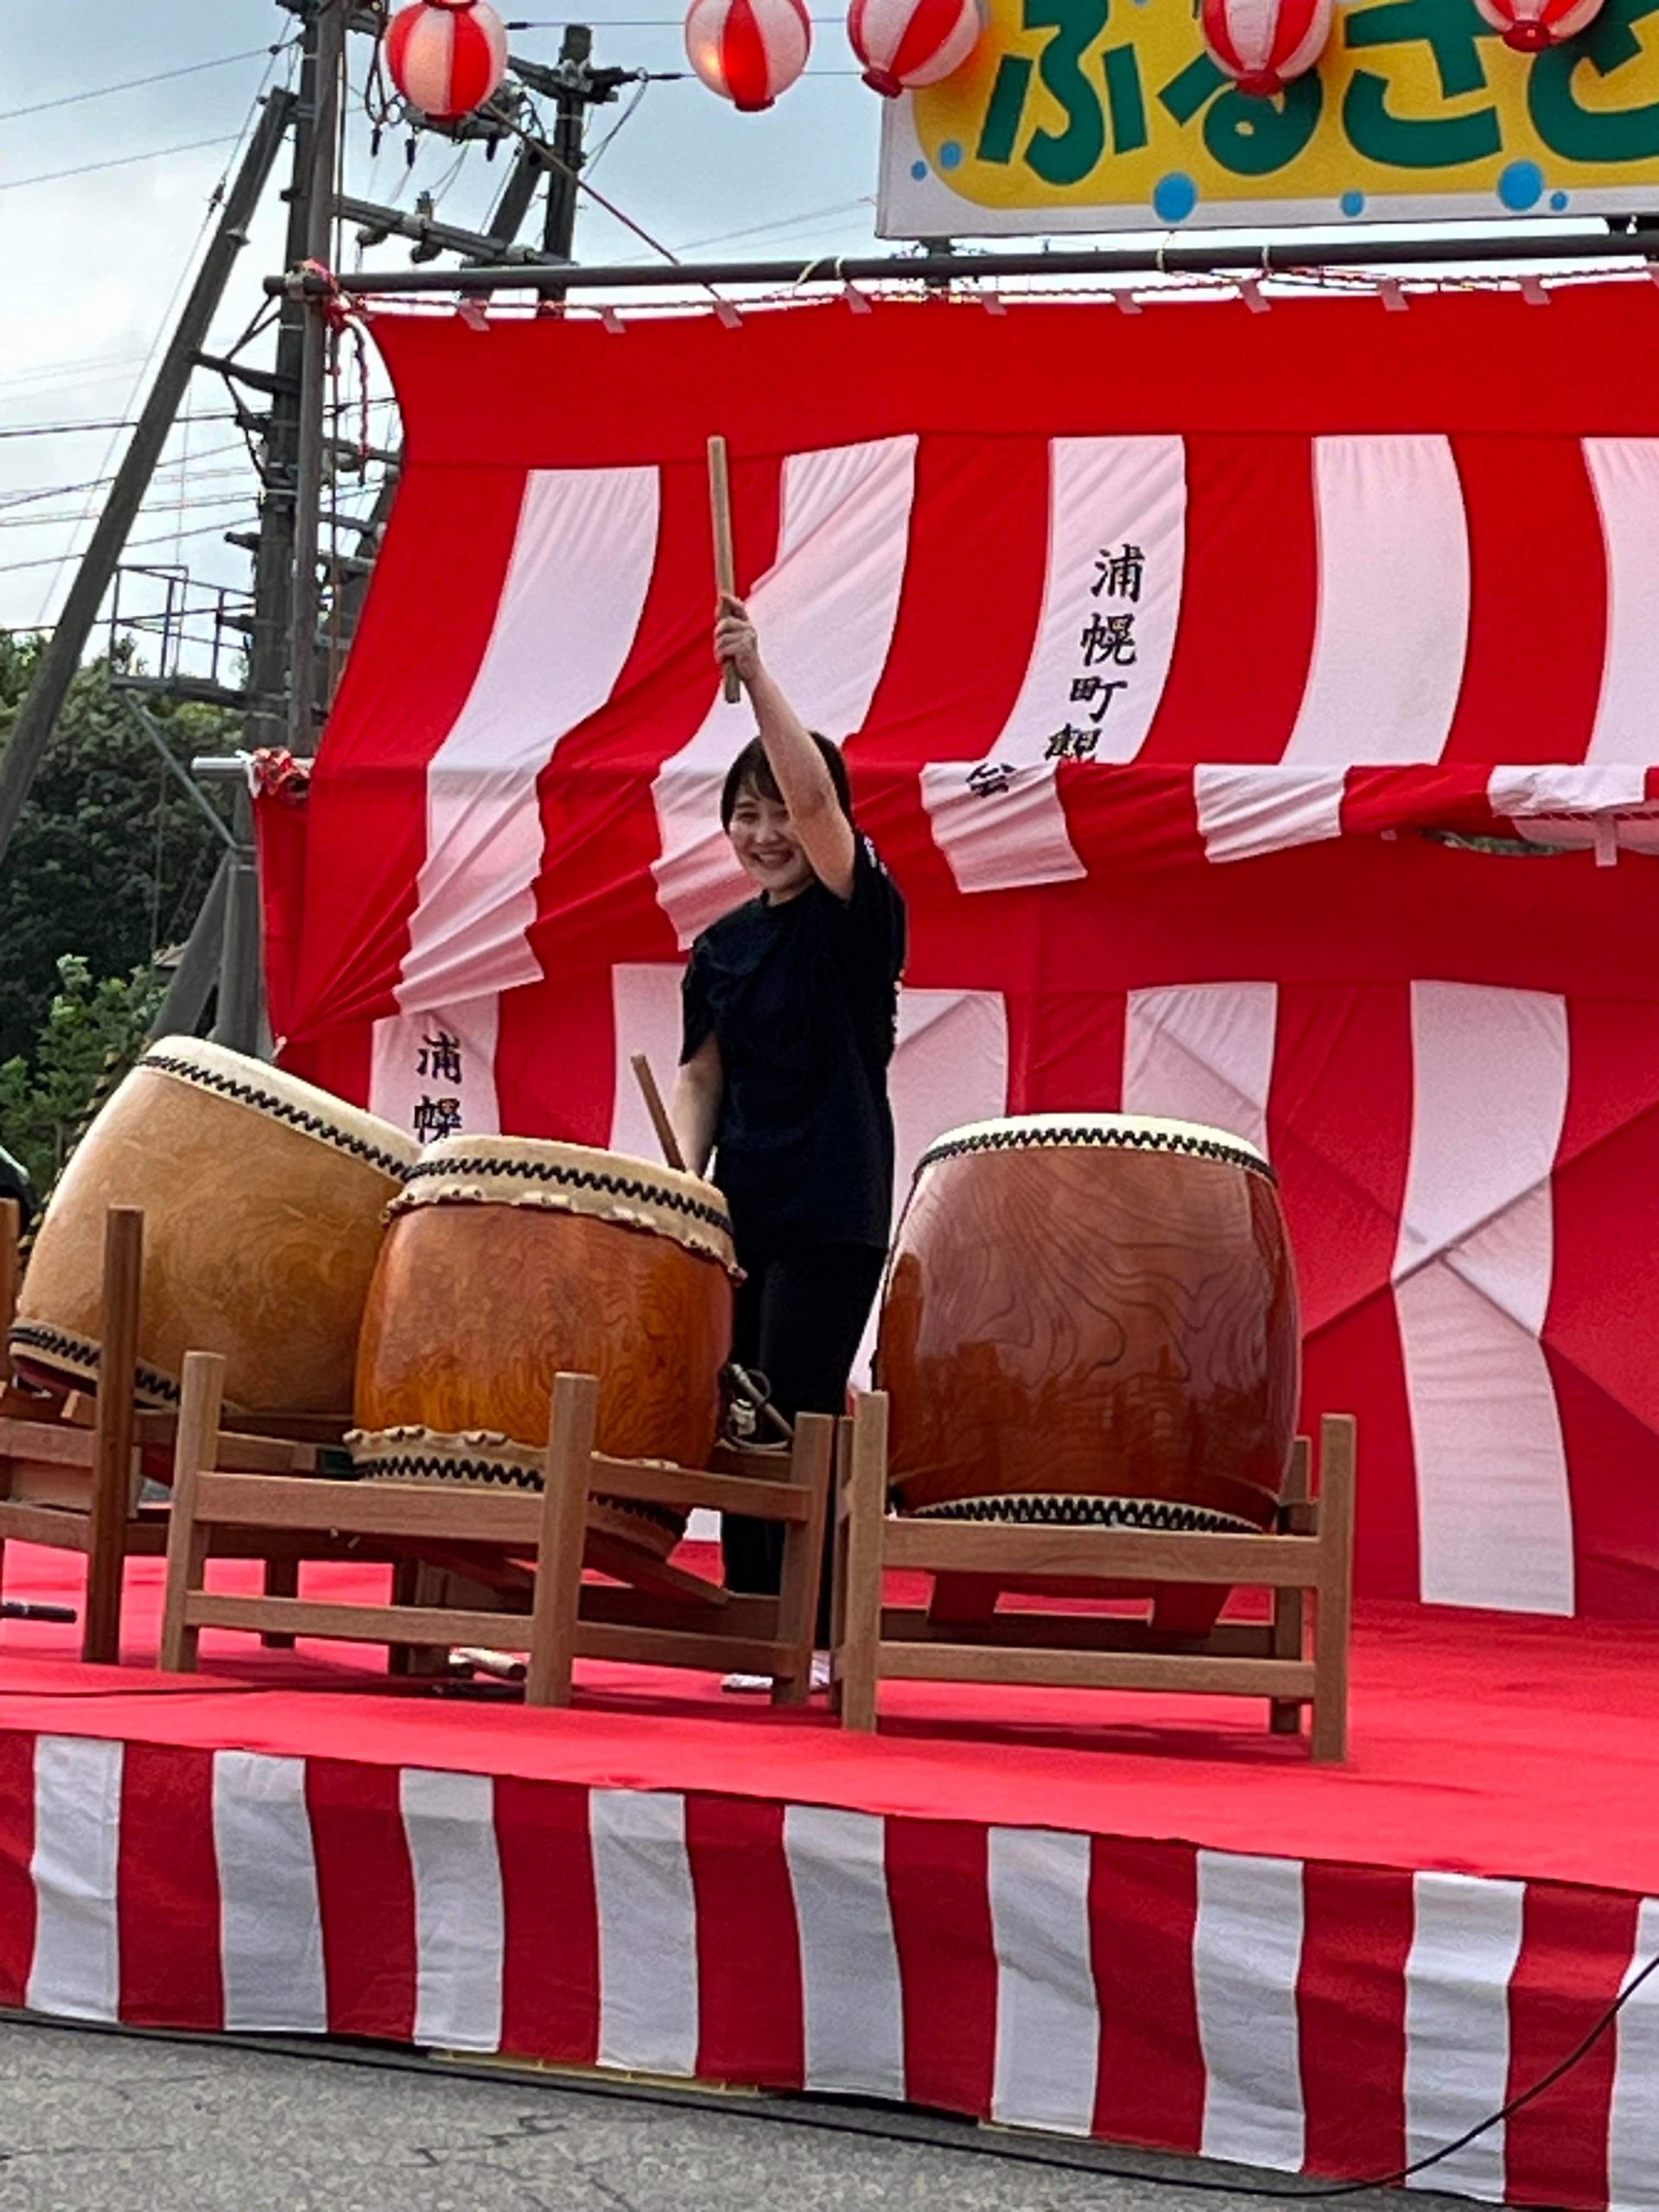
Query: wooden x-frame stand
{"x": 71, "y": 1471}
{"x": 961, "y": 1636}
{"x": 519, "y": 1555}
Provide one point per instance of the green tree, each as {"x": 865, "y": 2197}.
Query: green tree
{"x": 110, "y": 860}
{"x": 94, "y": 1031}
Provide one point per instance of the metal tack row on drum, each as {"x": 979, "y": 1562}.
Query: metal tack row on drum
{"x": 1086, "y": 1320}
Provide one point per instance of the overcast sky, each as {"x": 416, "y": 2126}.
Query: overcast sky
{"x": 93, "y": 261}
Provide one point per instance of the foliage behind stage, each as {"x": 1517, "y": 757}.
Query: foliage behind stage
{"x": 109, "y": 865}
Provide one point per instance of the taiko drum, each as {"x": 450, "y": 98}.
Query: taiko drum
{"x": 264, "y": 1203}
{"x": 1093, "y": 1320}
{"x": 508, "y": 1261}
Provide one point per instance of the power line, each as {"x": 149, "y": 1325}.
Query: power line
{"x": 69, "y": 517}
{"x": 121, "y": 162}
{"x": 27, "y": 495}
{"x": 136, "y": 545}
{"x": 126, "y": 422}
{"x": 214, "y": 199}
{"x": 621, "y": 22}
{"x": 77, "y": 430}
{"x": 616, "y": 129}
{"x": 134, "y": 83}
{"x": 86, "y": 368}
{"x": 805, "y": 220}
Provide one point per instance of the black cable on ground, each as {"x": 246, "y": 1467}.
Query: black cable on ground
{"x": 869, "y": 2122}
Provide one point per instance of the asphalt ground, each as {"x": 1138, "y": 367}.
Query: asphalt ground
{"x": 90, "y": 2121}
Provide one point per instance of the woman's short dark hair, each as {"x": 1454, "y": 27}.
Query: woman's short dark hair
{"x": 752, "y": 772}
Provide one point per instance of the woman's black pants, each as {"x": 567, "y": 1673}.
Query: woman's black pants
{"x": 799, "y": 1316}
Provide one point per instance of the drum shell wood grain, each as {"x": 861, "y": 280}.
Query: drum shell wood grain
{"x": 1090, "y": 1322}
{"x": 260, "y": 1241}
{"x": 475, "y": 1308}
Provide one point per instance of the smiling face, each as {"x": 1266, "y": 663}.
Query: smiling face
{"x": 767, "y": 847}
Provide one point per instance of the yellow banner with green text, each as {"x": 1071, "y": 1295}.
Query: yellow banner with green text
{"x": 1090, "y": 115}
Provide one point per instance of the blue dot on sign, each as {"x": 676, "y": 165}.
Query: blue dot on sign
{"x": 918, "y": 170}
{"x": 949, "y": 155}
{"x": 1521, "y": 186}
{"x": 1558, "y": 200}
{"x": 1352, "y": 203}
{"x": 1174, "y": 197}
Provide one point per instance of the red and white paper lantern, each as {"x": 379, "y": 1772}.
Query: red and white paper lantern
{"x": 904, "y": 44}
{"x": 1262, "y": 44}
{"x": 446, "y": 57}
{"x": 1531, "y": 25}
{"x": 748, "y": 51}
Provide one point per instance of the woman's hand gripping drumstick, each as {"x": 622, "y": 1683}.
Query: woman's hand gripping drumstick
{"x": 751, "y": 1387}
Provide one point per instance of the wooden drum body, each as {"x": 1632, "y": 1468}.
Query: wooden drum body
{"x": 264, "y": 1203}
{"x": 509, "y": 1261}
{"x": 1093, "y": 1320}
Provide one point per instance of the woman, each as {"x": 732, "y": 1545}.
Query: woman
{"x": 790, "y": 1004}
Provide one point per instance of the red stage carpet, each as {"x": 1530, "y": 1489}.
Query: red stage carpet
{"x": 1142, "y": 1918}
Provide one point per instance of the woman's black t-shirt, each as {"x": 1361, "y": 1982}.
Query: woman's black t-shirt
{"x": 803, "y": 1000}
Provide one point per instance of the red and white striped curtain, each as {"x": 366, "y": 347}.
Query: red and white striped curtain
{"x": 1156, "y": 646}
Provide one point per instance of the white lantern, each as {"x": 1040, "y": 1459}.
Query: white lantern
{"x": 904, "y": 44}
{"x": 748, "y": 51}
{"x": 446, "y": 57}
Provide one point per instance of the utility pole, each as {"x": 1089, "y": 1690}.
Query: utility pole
{"x": 326, "y": 28}
{"x": 32, "y": 731}
{"x": 282, "y": 656}
{"x": 273, "y": 562}
{"x": 282, "y": 689}
{"x": 574, "y": 87}
{"x": 578, "y": 86}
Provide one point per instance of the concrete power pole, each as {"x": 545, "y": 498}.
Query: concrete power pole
{"x": 273, "y": 560}
{"x": 281, "y": 657}
{"x": 281, "y": 689}
{"x": 577, "y": 86}
{"x": 574, "y": 87}
{"x": 326, "y": 28}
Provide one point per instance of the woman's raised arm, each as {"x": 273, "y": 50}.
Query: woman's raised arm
{"x": 815, "y": 813}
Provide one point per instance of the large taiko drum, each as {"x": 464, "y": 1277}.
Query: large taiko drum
{"x": 1092, "y": 1319}
{"x": 264, "y": 1203}
{"x": 508, "y": 1260}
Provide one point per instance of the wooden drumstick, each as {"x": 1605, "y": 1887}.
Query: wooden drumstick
{"x": 657, "y": 1111}
{"x": 11, "y": 1230}
{"x": 720, "y": 503}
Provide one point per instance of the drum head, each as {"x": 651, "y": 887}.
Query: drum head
{"x": 1146, "y": 1133}
{"x": 573, "y": 1179}
{"x": 283, "y": 1098}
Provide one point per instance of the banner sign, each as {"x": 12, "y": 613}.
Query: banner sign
{"x": 1094, "y": 115}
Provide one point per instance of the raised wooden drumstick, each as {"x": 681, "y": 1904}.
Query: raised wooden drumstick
{"x": 719, "y": 503}
{"x": 657, "y": 1111}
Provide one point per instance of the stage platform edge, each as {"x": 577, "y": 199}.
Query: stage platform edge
{"x": 1094, "y": 1918}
